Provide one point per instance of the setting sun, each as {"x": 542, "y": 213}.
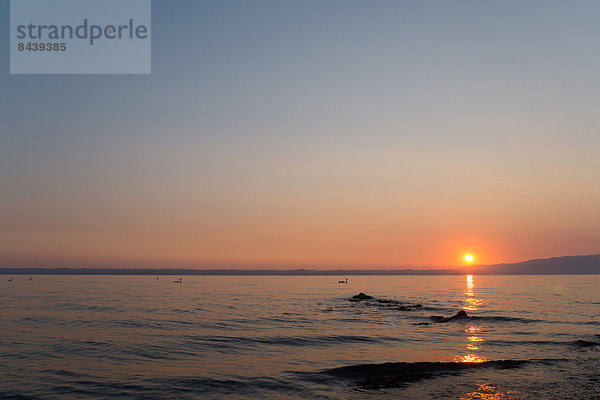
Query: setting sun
{"x": 469, "y": 258}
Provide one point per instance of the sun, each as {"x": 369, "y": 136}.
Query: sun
{"x": 469, "y": 258}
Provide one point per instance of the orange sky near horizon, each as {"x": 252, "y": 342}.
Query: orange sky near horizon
{"x": 389, "y": 210}
{"x": 279, "y": 237}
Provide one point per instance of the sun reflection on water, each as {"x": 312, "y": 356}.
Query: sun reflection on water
{"x": 471, "y": 303}
{"x": 472, "y": 329}
{"x": 474, "y": 339}
{"x": 488, "y": 391}
{"x": 470, "y": 284}
{"x": 470, "y": 358}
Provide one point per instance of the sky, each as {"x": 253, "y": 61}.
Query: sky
{"x": 317, "y": 134}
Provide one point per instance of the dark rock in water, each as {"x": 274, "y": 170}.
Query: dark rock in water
{"x": 462, "y": 314}
{"x": 390, "y": 375}
{"x": 586, "y": 343}
{"x": 422, "y": 323}
{"x": 362, "y": 296}
{"x": 385, "y": 303}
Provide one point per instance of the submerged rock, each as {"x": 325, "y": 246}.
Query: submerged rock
{"x": 398, "y": 374}
{"x": 386, "y": 303}
{"x": 462, "y": 314}
{"x": 586, "y": 343}
{"x": 362, "y": 296}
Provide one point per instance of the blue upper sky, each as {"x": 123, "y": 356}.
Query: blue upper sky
{"x": 313, "y": 133}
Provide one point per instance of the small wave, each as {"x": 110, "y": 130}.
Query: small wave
{"x": 13, "y": 395}
{"x": 510, "y": 319}
{"x": 394, "y": 374}
{"x": 324, "y": 340}
{"x": 459, "y": 317}
{"x": 42, "y": 319}
{"x": 166, "y": 324}
{"x": 66, "y": 373}
{"x": 576, "y": 343}
{"x": 101, "y": 309}
{"x": 371, "y": 301}
{"x": 252, "y": 387}
{"x": 587, "y": 323}
{"x": 181, "y": 311}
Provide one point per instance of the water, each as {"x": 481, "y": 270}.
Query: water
{"x": 100, "y": 337}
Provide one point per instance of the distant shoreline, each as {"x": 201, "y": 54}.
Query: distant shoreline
{"x": 217, "y": 272}
{"x": 301, "y": 272}
{"x": 569, "y": 265}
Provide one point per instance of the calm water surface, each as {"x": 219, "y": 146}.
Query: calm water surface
{"x": 100, "y": 337}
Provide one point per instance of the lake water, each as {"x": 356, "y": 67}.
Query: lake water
{"x": 299, "y": 337}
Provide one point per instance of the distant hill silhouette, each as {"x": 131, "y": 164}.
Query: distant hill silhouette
{"x": 556, "y": 265}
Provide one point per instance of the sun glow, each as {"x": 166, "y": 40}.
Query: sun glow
{"x": 469, "y": 258}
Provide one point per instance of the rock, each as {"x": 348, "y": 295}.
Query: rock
{"x": 462, "y": 314}
{"x": 586, "y": 343}
{"x": 362, "y": 296}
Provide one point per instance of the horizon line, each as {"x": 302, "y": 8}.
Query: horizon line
{"x": 298, "y": 268}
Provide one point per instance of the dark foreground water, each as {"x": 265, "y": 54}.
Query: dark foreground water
{"x": 111, "y": 337}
